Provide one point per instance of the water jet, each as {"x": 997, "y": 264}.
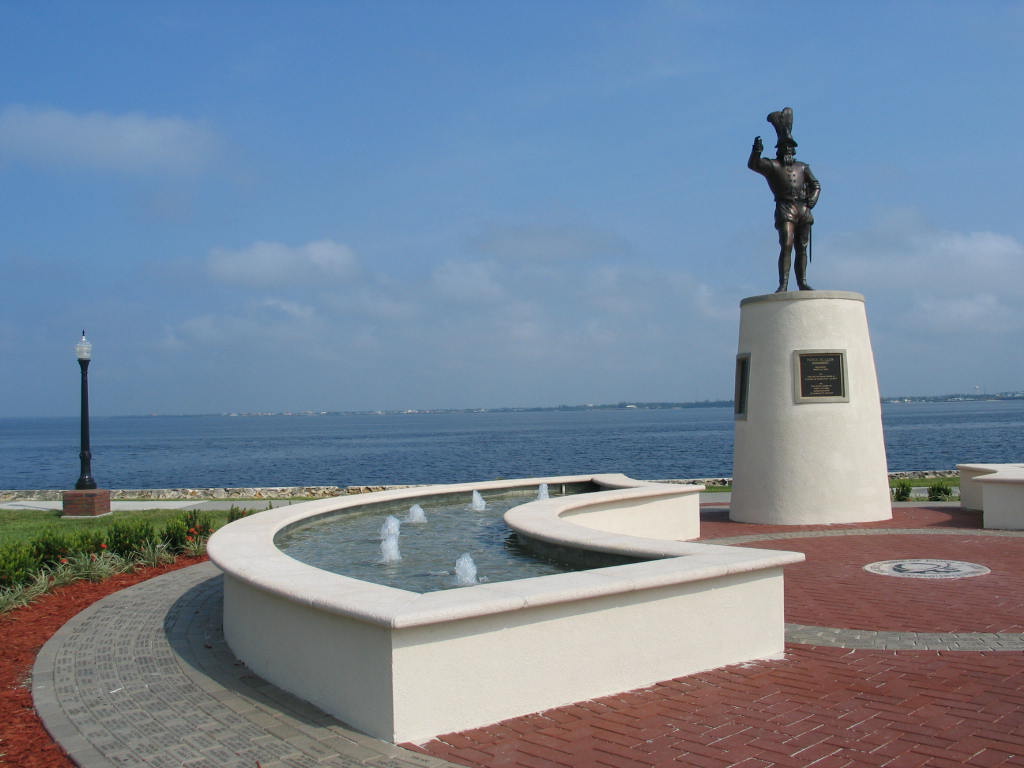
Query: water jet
{"x": 465, "y": 570}
{"x": 389, "y": 552}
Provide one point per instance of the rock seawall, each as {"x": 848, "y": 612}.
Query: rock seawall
{"x": 327, "y": 491}
{"x": 183, "y": 494}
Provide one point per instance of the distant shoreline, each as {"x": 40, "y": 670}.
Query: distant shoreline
{"x": 620, "y": 406}
{"x": 623, "y": 405}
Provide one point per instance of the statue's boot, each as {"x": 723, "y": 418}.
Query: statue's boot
{"x": 783, "y": 279}
{"x": 801, "y": 272}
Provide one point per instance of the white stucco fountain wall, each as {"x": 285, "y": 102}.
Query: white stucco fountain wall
{"x": 405, "y": 666}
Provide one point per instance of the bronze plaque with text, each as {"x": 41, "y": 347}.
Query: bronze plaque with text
{"x": 822, "y": 375}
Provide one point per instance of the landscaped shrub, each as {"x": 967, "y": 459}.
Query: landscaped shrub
{"x": 901, "y": 489}
{"x": 939, "y": 491}
{"x": 199, "y": 523}
{"x": 125, "y": 539}
{"x": 236, "y": 513}
{"x": 153, "y": 553}
{"x": 51, "y": 546}
{"x": 17, "y": 564}
{"x": 21, "y": 594}
{"x": 90, "y": 540}
{"x": 60, "y": 574}
{"x": 97, "y": 567}
{"x": 174, "y": 534}
{"x": 195, "y": 546}
{"x": 187, "y": 533}
{"x": 53, "y": 558}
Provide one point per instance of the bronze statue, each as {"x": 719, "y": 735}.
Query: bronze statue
{"x": 796, "y": 192}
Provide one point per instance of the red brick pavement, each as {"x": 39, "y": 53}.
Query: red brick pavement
{"x": 821, "y": 707}
{"x": 832, "y": 589}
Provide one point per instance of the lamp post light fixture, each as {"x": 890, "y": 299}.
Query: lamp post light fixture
{"x": 83, "y": 351}
{"x": 86, "y": 499}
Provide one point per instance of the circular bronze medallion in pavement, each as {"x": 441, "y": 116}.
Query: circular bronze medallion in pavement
{"x": 927, "y": 569}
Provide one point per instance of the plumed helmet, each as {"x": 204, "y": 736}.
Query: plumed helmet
{"x": 782, "y": 121}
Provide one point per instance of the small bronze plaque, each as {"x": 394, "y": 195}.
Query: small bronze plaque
{"x": 742, "y": 385}
{"x": 821, "y": 376}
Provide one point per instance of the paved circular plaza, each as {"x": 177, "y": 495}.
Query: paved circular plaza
{"x": 878, "y": 670}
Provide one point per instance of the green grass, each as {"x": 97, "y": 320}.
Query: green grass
{"x": 924, "y": 482}
{"x": 917, "y": 482}
{"x": 25, "y": 524}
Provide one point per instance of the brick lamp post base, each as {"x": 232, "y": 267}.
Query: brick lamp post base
{"x": 92, "y": 503}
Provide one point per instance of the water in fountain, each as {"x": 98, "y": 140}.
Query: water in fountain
{"x": 389, "y": 552}
{"x": 391, "y": 527}
{"x": 479, "y": 505}
{"x": 465, "y": 570}
{"x": 349, "y": 543}
{"x": 542, "y": 492}
{"x": 416, "y": 514}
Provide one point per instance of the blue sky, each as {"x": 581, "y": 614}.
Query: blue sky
{"x": 271, "y": 206}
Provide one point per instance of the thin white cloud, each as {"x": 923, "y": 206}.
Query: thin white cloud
{"x": 944, "y": 306}
{"x": 130, "y": 143}
{"x": 270, "y": 327}
{"x": 548, "y": 244}
{"x": 497, "y": 305}
{"x": 711, "y": 305}
{"x": 212, "y": 330}
{"x": 490, "y": 330}
{"x": 932, "y": 280}
{"x": 376, "y": 303}
{"x": 264, "y": 263}
{"x": 290, "y": 308}
{"x": 982, "y": 312}
{"x": 467, "y": 281}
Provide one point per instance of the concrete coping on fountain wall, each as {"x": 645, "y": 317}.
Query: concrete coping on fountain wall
{"x": 406, "y": 666}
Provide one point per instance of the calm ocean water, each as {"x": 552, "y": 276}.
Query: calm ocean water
{"x": 225, "y": 451}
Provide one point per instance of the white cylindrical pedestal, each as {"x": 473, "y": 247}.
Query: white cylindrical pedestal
{"x": 809, "y": 446}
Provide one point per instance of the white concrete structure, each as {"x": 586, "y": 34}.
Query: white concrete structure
{"x": 405, "y": 666}
{"x": 640, "y": 510}
{"x": 970, "y": 488}
{"x": 809, "y": 446}
{"x": 997, "y": 490}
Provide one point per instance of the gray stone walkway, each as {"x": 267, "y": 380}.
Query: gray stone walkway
{"x": 904, "y": 641}
{"x": 144, "y": 678}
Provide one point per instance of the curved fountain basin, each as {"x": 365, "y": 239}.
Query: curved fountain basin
{"x": 353, "y": 542}
{"x": 405, "y": 666}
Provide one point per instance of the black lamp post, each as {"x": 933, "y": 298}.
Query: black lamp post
{"x": 83, "y": 351}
